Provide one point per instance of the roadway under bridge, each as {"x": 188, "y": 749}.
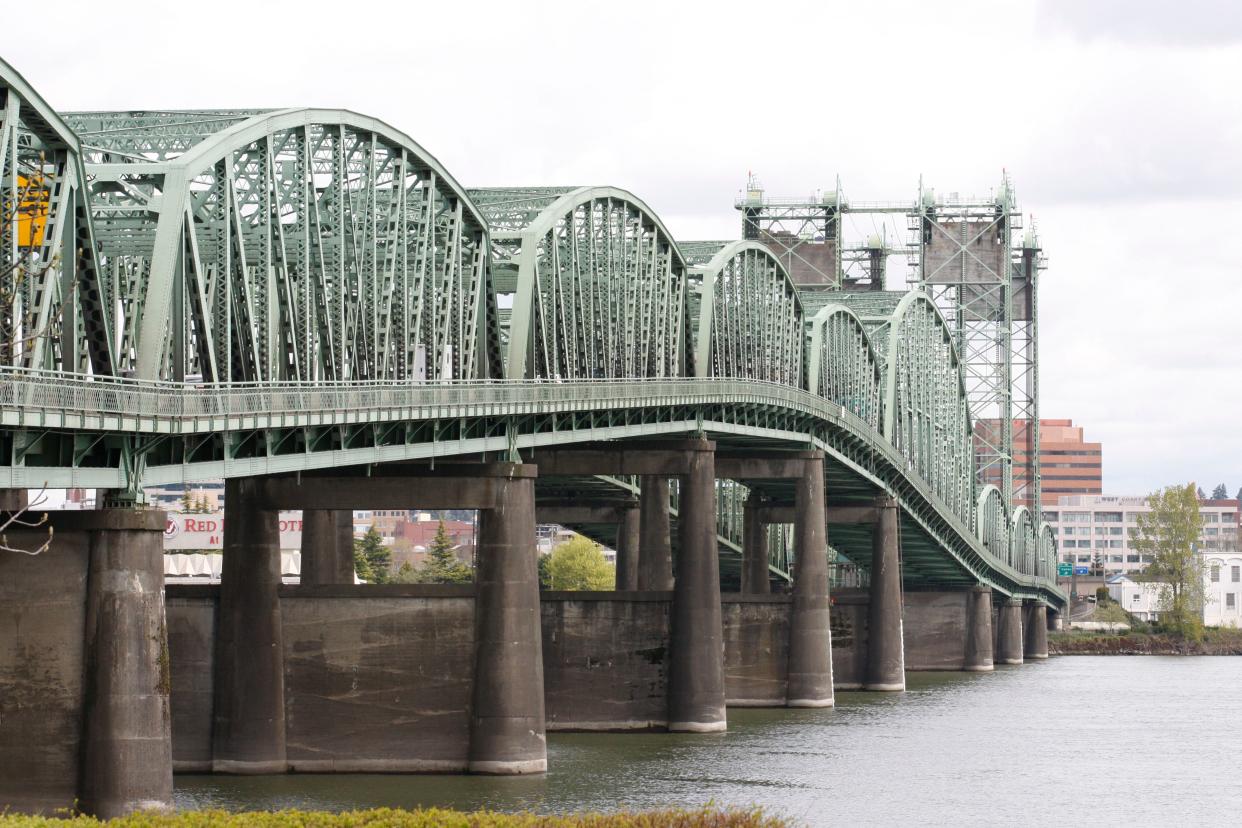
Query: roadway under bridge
{"x": 306, "y": 304}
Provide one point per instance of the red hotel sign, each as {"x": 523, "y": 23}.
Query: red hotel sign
{"x": 184, "y": 532}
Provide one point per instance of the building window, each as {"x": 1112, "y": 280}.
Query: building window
{"x": 1050, "y": 517}
{"x": 1115, "y": 544}
{"x": 1229, "y": 600}
{"x": 1067, "y": 530}
{"x": 1235, "y": 572}
{"x": 1084, "y": 559}
{"x": 1076, "y": 517}
{"x": 1215, "y": 573}
{"x": 1115, "y": 530}
{"x": 1132, "y": 558}
{"x": 1114, "y": 559}
{"x": 1108, "y": 517}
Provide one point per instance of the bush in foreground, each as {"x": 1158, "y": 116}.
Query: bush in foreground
{"x": 390, "y": 818}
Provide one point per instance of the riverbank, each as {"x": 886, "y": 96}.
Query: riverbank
{"x": 1215, "y": 642}
{"x": 396, "y": 818}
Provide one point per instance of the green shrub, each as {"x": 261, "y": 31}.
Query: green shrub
{"x": 431, "y": 818}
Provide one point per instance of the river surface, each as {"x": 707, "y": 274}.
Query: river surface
{"x": 1140, "y": 740}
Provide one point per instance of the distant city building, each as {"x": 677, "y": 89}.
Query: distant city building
{"x": 1089, "y": 525}
{"x": 1068, "y": 464}
{"x": 1222, "y": 588}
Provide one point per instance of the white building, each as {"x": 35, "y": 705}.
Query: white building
{"x": 1087, "y": 525}
{"x": 1223, "y": 588}
{"x": 1140, "y": 599}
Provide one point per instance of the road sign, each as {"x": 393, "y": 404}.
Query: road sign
{"x": 1082, "y": 570}
{"x": 1065, "y": 570}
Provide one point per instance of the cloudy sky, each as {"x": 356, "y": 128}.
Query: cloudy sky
{"x": 1119, "y": 121}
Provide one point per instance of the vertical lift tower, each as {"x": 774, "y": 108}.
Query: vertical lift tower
{"x": 964, "y": 253}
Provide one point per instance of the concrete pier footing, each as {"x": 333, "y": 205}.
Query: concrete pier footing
{"x": 755, "y": 579}
{"x": 885, "y": 654}
{"x": 327, "y": 546}
{"x": 978, "y": 630}
{"x": 810, "y": 636}
{"x": 1009, "y": 643}
{"x": 507, "y": 727}
{"x": 249, "y": 691}
{"x": 655, "y": 551}
{"x": 696, "y": 692}
{"x": 628, "y": 535}
{"x": 84, "y": 685}
{"x": 1035, "y": 631}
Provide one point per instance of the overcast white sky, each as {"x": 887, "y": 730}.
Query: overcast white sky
{"x": 1120, "y": 123}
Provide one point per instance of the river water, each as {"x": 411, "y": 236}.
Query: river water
{"x": 1139, "y": 740}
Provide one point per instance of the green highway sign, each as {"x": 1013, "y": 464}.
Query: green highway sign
{"x": 1065, "y": 570}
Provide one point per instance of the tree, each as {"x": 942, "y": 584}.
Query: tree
{"x": 1169, "y": 533}
{"x": 1200, "y": 493}
{"x": 1239, "y": 494}
{"x": 1097, "y": 563}
{"x": 579, "y": 564}
{"x": 1220, "y": 492}
{"x": 371, "y": 556}
{"x": 442, "y": 566}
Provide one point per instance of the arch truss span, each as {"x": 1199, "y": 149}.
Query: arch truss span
{"x": 746, "y": 316}
{"x": 287, "y": 245}
{"x": 993, "y": 524}
{"x": 844, "y": 366}
{"x": 596, "y": 284}
{"x": 1023, "y": 541}
{"x": 53, "y": 313}
{"x": 926, "y": 413}
{"x": 1046, "y": 562}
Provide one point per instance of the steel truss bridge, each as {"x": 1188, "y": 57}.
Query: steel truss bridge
{"x": 207, "y": 294}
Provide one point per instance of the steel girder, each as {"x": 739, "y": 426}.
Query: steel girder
{"x": 599, "y": 288}
{"x": 747, "y": 319}
{"x": 297, "y": 244}
{"x": 53, "y": 314}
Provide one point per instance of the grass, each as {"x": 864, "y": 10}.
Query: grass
{"x": 392, "y": 818}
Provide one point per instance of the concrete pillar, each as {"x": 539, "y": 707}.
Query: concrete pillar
{"x": 249, "y": 720}
{"x": 655, "y": 551}
{"x": 696, "y": 692}
{"x": 886, "y": 669}
{"x": 327, "y": 546}
{"x": 810, "y": 637}
{"x": 507, "y": 715}
{"x": 1035, "y": 627}
{"x": 13, "y": 500}
{"x": 1054, "y": 619}
{"x": 755, "y": 579}
{"x": 127, "y": 741}
{"x": 1009, "y": 632}
{"x": 628, "y": 532}
{"x": 978, "y": 630}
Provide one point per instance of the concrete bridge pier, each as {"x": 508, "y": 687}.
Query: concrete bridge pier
{"x": 248, "y": 732}
{"x": 696, "y": 691}
{"x": 1009, "y": 632}
{"x": 629, "y": 532}
{"x": 755, "y": 579}
{"x": 655, "y": 551}
{"x": 810, "y": 635}
{"x": 979, "y": 630}
{"x": 84, "y": 684}
{"x": 1035, "y": 628}
{"x": 885, "y": 653}
{"x": 507, "y": 715}
{"x": 327, "y": 546}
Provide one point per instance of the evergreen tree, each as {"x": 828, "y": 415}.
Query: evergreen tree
{"x": 187, "y": 501}
{"x": 1097, "y": 564}
{"x": 1220, "y": 492}
{"x": 1199, "y": 491}
{"x": 442, "y": 566}
{"x": 376, "y": 559}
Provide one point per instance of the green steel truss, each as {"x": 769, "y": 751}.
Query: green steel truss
{"x": 278, "y": 281}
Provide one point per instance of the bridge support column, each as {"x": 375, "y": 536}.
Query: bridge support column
{"x": 1035, "y": 629}
{"x": 754, "y": 550}
{"x": 327, "y": 546}
{"x": 248, "y": 736}
{"x": 628, "y": 535}
{"x": 696, "y": 693}
{"x": 1009, "y": 632}
{"x": 507, "y": 730}
{"x": 1054, "y": 619}
{"x": 810, "y": 636}
{"x": 978, "y": 630}
{"x": 13, "y": 500}
{"x": 127, "y": 750}
{"x": 655, "y": 551}
{"x": 885, "y": 654}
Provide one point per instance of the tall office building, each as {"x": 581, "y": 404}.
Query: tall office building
{"x": 1068, "y": 464}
